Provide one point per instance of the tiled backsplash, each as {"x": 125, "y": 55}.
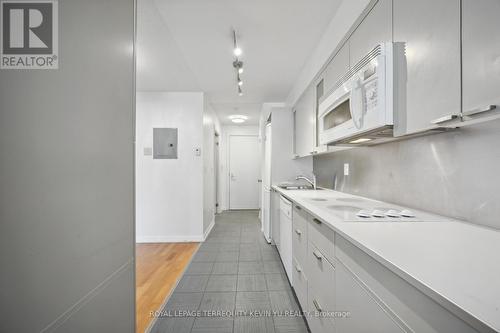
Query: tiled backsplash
{"x": 456, "y": 174}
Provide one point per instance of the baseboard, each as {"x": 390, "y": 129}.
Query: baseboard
{"x": 209, "y": 229}
{"x": 169, "y": 239}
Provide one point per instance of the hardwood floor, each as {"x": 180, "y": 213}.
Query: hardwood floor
{"x": 158, "y": 267}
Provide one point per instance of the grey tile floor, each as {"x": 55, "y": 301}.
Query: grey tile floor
{"x": 234, "y": 271}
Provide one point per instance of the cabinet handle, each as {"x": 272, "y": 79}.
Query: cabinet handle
{"x": 445, "y": 119}
{"x": 317, "y": 306}
{"x": 298, "y": 232}
{"x": 454, "y": 117}
{"x": 480, "y": 110}
{"x": 317, "y": 221}
{"x": 318, "y": 255}
{"x": 298, "y": 207}
{"x": 298, "y": 269}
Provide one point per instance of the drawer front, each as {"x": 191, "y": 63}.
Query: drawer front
{"x": 318, "y": 322}
{"x": 402, "y": 302}
{"x": 321, "y": 276}
{"x": 300, "y": 283}
{"x": 299, "y": 236}
{"x": 322, "y": 237}
{"x": 366, "y": 314}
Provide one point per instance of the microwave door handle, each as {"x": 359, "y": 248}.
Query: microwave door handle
{"x": 356, "y": 103}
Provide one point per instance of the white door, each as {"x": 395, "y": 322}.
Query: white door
{"x": 244, "y": 171}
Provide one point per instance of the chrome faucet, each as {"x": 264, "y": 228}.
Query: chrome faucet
{"x": 312, "y": 182}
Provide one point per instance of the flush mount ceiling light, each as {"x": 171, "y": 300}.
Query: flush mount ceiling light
{"x": 237, "y": 63}
{"x": 238, "y": 118}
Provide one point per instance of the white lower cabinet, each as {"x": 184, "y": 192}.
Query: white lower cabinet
{"x": 299, "y": 282}
{"x": 334, "y": 275}
{"x": 365, "y": 314}
{"x": 322, "y": 236}
{"x": 321, "y": 276}
{"x": 319, "y": 321}
{"x": 299, "y": 234}
{"x": 321, "y": 291}
{"x": 363, "y": 285}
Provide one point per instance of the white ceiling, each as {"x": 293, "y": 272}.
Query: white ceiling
{"x": 186, "y": 45}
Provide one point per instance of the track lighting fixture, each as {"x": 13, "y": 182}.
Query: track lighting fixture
{"x": 237, "y": 63}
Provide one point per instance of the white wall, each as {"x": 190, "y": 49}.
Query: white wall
{"x": 224, "y": 155}
{"x": 211, "y": 125}
{"x": 169, "y": 193}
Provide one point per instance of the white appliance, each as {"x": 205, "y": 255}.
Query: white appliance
{"x": 363, "y": 105}
{"x": 266, "y": 185}
{"x": 285, "y": 248}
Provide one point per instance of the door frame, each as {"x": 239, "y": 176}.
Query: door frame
{"x": 229, "y": 168}
{"x": 217, "y": 171}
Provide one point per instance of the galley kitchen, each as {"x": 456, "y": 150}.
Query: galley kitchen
{"x": 325, "y": 166}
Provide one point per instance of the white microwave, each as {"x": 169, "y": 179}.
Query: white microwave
{"x": 362, "y": 106}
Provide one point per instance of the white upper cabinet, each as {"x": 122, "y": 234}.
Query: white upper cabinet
{"x": 305, "y": 115}
{"x": 375, "y": 28}
{"x": 431, "y": 31}
{"x": 336, "y": 68}
{"x": 481, "y": 53}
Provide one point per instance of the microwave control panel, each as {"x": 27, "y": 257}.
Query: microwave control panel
{"x": 371, "y": 94}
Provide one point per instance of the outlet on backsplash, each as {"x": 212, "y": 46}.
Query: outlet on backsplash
{"x": 346, "y": 169}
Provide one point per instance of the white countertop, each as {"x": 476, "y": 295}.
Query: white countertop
{"x": 454, "y": 262}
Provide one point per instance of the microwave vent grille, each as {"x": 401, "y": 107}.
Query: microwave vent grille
{"x": 375, "y": 52}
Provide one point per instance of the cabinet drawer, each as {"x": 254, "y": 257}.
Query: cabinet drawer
{"x": 318, "y": 322}
{"x": 321, "y": 275}
{"x": 402, "y": 302}
{"x": 300, "y": 283}
{"x": 322, "y": 237}
{"x": 366, "y": 314}
{"x": 299, "y": 235}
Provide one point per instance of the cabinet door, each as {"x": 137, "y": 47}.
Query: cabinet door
{"x": 481, "y": 53}
{"x": 431, "y": 31}
{"x": 299, "y": 236}
{"x": 304, "y": 123}
{"x": 375, "y": 28}
{"x": 365, "y": 314}
{"x": 337, "y": 68}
